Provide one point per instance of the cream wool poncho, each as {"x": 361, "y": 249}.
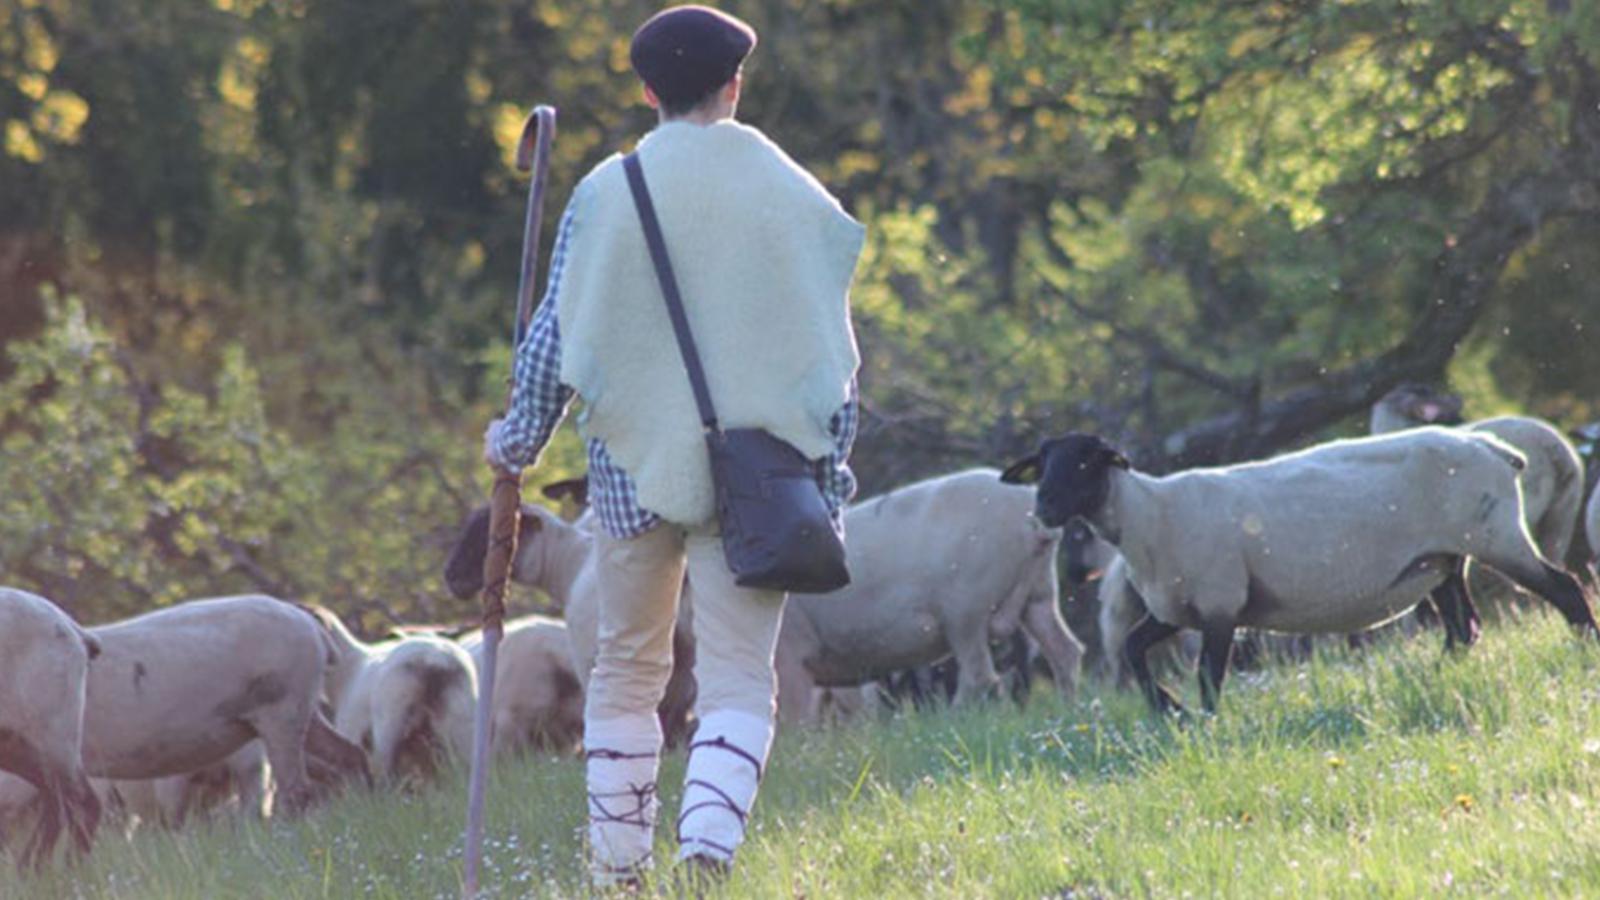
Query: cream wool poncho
{"x": 764, "y": 257}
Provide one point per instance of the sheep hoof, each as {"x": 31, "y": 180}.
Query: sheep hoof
{"x": 1169, "y": 704}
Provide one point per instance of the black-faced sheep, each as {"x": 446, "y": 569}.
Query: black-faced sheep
{"x": 1332, "y": 539}
{"x": 44, "y": 664}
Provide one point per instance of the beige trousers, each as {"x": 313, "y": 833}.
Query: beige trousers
{"x": 735, "y": 628}
{"x": 736, "y": 634}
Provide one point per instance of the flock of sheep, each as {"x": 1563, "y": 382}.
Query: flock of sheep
{"x": 262, "y": 703}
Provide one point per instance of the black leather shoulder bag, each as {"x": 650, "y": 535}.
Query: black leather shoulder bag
{"x": 776, "y": 531}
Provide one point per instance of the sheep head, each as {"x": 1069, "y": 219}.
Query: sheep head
{"x": 463, "y": 573}
{"x": 1073, "y": 473}
{"x": 1414, "y": 404}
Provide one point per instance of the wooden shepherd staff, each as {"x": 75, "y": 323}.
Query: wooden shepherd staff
{"x": 505, "y": 500}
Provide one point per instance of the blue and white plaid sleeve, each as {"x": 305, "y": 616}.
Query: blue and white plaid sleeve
{"x": 539, "y": 400}
{"x": 834, "y": 477}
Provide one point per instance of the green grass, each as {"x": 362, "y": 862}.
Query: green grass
{"x": 1398, "y": 772}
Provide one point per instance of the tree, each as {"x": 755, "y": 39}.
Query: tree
{"x": 1330, "y": 193}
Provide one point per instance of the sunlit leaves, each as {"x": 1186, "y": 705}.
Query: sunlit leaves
{"x": 237, "y": 81}
{"x": 116, "y": 494}
{"x": 20, "y": 144}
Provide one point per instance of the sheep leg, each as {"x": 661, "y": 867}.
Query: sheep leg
{"x": 1017, "y": 667}
{"x": 282, "y": 729}
{"x": 795, "y": 681}
{"x": 1453, "y": 600}
{"x": 83, "y": 810}
{"x": 51, "y": 805}
{"x": 975, "y": 674}
{"x": 1149, "y": 632}
{"x": 251, "y": 786}
{"x": 26, "y": 762}
{"x": 1042, "y": 621}
{"x": 682, "y": 690}
{"x": 1215, "y": 650}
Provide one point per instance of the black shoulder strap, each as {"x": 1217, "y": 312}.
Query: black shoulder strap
{"x": 669, "y": 288}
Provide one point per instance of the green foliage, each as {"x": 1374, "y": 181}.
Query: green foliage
{"x": 299, "y": 223}
{"x": 119, "y": 496}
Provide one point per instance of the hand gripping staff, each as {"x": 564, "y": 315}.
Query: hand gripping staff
{"x": 505, "y": 500}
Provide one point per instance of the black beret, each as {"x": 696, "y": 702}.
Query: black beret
{"x": 686, "y": 52}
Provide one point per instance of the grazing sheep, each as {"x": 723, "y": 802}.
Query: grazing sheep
{"x": 938, "y": 567}
{"x": 44, "y": 664}
{"x": 407, "y": 702}
{"x": 1552, "y": 483}
{"x": 557, "y": 557}
{"x": 182, "y": 688}
{"x": 1332, "y": 539}
{"x": 538, "y": 698}
{"x": 244, "y": 776}
{"x": 1085, "y": 557}
{"x": 1592, "y": 526}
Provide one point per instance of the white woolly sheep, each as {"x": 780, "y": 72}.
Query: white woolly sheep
{"x": 408, "y": 702}
{"x": 182, "y": 688}
{"x": 1332, "y": 539}
{"x": 44, "y": 663}
{"x": 937, "y": 567}
{"x": 1552, "y": 483}
{"x": 538, "y": 698}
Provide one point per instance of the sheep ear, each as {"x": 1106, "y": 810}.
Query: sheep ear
{"x": 577, "y": 489}
{"x": 1116, "y": 460}
{"x": 1023, "y": 471}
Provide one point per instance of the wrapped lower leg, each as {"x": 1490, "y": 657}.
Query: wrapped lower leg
{"x": 725, "y": 763}
{"x": 622, "y": 755}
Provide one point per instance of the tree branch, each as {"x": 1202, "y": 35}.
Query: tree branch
{"x": 1466, "y": 275}
{"x": 1159, "y": 352}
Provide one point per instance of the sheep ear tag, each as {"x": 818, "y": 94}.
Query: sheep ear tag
{"x": 1023, "y": 471}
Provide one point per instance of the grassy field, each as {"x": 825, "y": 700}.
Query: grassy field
{"x": 1400, "y": 772}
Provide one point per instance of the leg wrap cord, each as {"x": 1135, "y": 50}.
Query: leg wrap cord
{"x": 621, "y": 766}
{"x": 725, "y": 763}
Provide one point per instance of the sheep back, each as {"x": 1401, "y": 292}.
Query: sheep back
{"x": 937, "y": 554}
{"x": 1333, "y": 538}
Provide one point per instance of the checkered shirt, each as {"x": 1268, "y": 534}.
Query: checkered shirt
{"x": 540, "y": 401}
